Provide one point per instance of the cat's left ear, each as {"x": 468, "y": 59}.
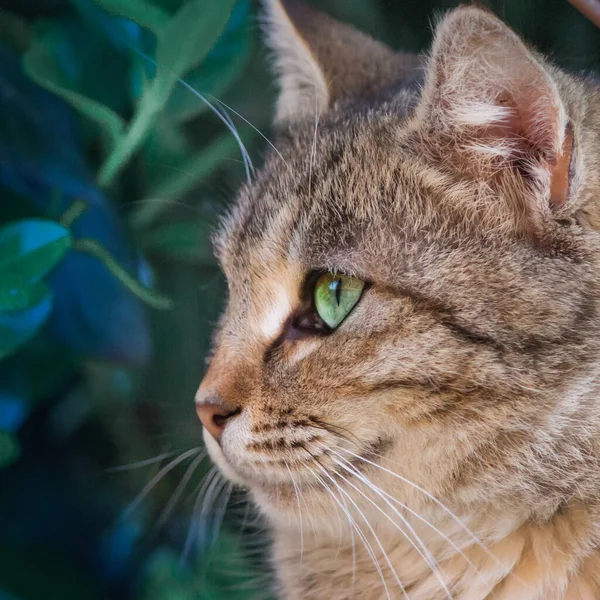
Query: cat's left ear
{"x": 320, "y": 61}
{"x": 496, "y": 103}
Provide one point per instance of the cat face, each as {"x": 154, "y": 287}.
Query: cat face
{"x": 451, "y": 215}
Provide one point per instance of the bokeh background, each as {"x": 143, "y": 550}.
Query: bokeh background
{"x": 120, "y": 131}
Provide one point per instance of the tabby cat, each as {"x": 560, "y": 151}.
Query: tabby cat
{"x": 407, "y": 374}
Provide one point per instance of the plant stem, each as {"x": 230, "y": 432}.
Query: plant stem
{"x": 151, "y": 298}
{"x": 136, "y": 134}
{"x": 73, "y": 213}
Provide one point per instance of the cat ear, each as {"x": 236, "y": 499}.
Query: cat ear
{"x": 491, "y": 95}
{"x": 319, "y": 61}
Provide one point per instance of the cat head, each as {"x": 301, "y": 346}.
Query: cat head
{"x": 413, "y": 276}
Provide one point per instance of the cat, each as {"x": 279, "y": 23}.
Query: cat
{"x": 406, "y": 377}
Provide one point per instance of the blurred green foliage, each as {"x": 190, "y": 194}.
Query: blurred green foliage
{"x": 118, "y": 153}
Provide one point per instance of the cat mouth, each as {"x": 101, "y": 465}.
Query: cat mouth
{"x": 285, "y": 492}
{"x": 337, "y": 464}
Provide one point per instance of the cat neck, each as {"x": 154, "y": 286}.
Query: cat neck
{"x": 555, "y": 559}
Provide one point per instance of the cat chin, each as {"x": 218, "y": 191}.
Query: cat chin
{"x": 280, "y": 503}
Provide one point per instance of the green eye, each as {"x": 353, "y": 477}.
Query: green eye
{"x": 336, "y": 296}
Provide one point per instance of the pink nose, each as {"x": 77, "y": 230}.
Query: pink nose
{"x": 214, "y": 417}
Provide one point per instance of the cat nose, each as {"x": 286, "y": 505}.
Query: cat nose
{"x": 214, "y": 417}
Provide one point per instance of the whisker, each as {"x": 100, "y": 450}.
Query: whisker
{"x": 170, "y": 506}
{"x": 415, "y": 514}
{"x": 248, "y": 166}
{"x": 220, "y": 514}
{"x": 152, "y": 483}
{"x": 358, "y": 530}
{"x": 342, "y": 492}
{"x": 194, "y": 521}
{"x": 423, "y": 551}
{"x": 313, "y": 149}
{"x": 253, "y": 127}
{"x": 139, "y": 464}
{"x": 212, "y": 493}
{"x": 299, "y": 512}
{"x": 187, "y": 86}
{"x": 336, "y": 430}
{"x": 437, "y": 502}
{"x": 441, "y": 505}
{"x": 246, "y": 157}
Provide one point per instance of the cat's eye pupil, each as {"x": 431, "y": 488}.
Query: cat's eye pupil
{"x": 336, "y": 288}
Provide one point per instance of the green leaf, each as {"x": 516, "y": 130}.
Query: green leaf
{"x": 187, "y": 39}
{"x": 23, "y": 297}
{"x": 210, "y": 79}
{"x": 41, "y": 65}
{"x": 143, "y": 12}
{"x": 184, "y": 42}
{"x": 10, "y": 449}
{"x": 29, "y": 249}
{"x": 171, "y": 6}
{"x": 18, "y": 327}
{"x": 161, "y": 194}
{"x": 221, "y": 67}
{"x": 188, "y": 240}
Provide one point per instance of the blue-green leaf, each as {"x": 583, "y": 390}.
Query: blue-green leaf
{"x": 142, "y": 12}
{"x": 221, "y": 67}
{"x": 29, "y": 249}
{"x": 186, "y": 40}
{"x": 61, "y": 61}
{"x": 21, "y": 298}
{"x": 18, "y": 327}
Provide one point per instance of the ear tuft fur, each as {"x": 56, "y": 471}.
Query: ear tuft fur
{"x": 303, "y": 89}
{"x": 320, "y": 62}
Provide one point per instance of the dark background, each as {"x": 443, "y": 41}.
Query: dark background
{"x": 91, "y": 376}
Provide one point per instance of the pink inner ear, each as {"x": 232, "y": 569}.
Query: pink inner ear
{"x": 559, "y": 173}
{"x": 541, "y": 122}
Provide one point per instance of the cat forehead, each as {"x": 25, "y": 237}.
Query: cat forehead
{"x": 333, "y": 190}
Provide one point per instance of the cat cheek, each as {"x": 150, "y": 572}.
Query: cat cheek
{"x": 217, "y": 456}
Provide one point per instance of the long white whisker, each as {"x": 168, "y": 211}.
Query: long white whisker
{"x": 441, "y": 505}
{"x": 434, "y": 500}
{"x": 253, "y": 127}
{"x": 220, "y": 514}
{"x": 150, "y": 485}
{"x": 247, "y": 161}
{"x": 353, "y": 544}
{"x": 415, "y": 514}
{"x": 140, "y": 463}
{"x": 245, "y": 156}
{"x": 386, "y": 557}
{"x": 299, "y": 512}
{"x": 212, "y": 492}
{"x": 194, "y": 521}
{"x": 170, "y": 506}
{"x": 358, "y": 530}
{"x": 422, "y": 550}
{"x": 187, "y": 86}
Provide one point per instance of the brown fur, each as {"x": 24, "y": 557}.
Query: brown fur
{"x": 470, "y": 365}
